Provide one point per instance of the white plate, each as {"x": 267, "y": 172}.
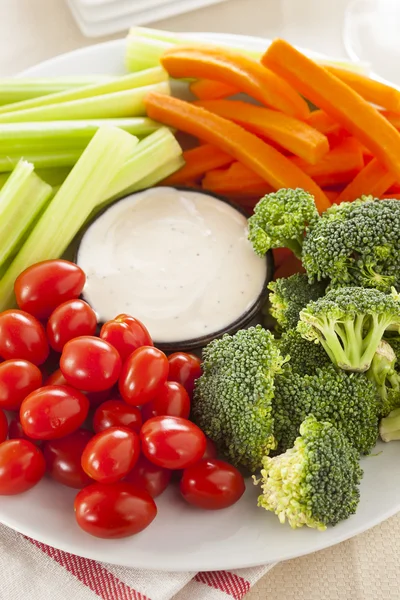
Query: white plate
{"x": 183, "y": 538}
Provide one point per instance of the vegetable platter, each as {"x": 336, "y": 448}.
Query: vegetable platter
{"x": 96, "y": 380}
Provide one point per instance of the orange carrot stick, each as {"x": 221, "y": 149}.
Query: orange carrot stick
{"x": 323, "y": 122}
{"x": 390, "y": 197}
{"x": 374, "y": 179}
{"x": 289, "y": 267}
{"x": 332, "y": 195}
{"x": 280, "y": 255}
{"x": 374, "y": 91}
{"x": 336, "y": 179}
{"x": 290, "y": 133}
{"x": 233, "y": 68}
{"x": 207, "y": 89}
{"x": 197, "y": 162}
{"x": 392, "y": 117}
{"x": 337, "y": 99}
{"x": 238, "y": 180}
{"x": 247, "y": 148}
{"x": 347, "y": 156}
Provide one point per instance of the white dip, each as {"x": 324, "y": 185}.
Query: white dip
{"x": 177, "y": 260}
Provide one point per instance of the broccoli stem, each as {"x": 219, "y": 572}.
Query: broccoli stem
{"x": 389, "y": 428}
{"x": 296, "y": 246}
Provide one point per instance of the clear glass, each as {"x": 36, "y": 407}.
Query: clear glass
{"x": 372, "y": 34}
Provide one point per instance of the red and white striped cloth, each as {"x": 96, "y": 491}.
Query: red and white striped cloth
{"x": 32, "y": 570}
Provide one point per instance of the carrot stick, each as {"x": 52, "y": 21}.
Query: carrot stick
{"x": 374, "y": 179}
{"x": 247, "y": 148}
{"x": 197, "y": 162}
{"x": 289, "y": 267}
{"x": 390, "y": 197}
{"x": 280, "y": 255}
{"x": 323, "y": 122}
{"x": 336, "y": 179}
{"x": 392, "y": 117}
{"x": 337, "y": 99}
{"x": 347, "y": 156}
{"x": 237, "y": 181}
{"x": 233, "y": 68}
{"x": 332, "y": 195}
{"x": 290, "y": 133}
{"x": 371, "y": 90}
{"x": 207, "y": 89}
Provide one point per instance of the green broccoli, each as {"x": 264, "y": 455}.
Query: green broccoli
{"x": 315, "y": 483}
{"x": 394, "y": 341}
{"x": 289, "y": 295}
{"x": 304, "y": 356}
{"x": 233, "y": 397}
{"x": 347, "y": 400}
{"x": 383, "y": 373}
{"x": 280, "y": 219}
{"x": 389, "y": 427}
{"x": 349, "y": 323}
{"x": 355, "y": 243}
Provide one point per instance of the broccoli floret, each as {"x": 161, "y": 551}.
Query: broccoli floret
{"x": 280, "y": 219}
{"x": 304, "y": 357}
{"x": 233, "y": 397}
{"x": 355, "y": 243}
{"x": 383, "y": 373}
{"x": 349, "y": 323}
{"x": 315, "y": 483}
{"x": 347, "y": 400}
{"x": 289, "y": 295}
{"x": 389, "y": 427}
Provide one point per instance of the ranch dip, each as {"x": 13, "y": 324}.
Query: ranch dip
{"x": 177, "y": 260}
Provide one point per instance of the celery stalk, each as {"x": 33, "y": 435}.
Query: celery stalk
{"x": 145, "y": 46}
{"x": 129, "y": 103}
{"x": 68, "y": 210}
{"x": 43, "y": 135}
{"x": 21, "y": 200}
{"x": 119, "y": 84}
{"x": 152, "y": 152}
{"x": 54, "y": 177}
{"x": 162, "y": 171}
{"x": 17, "y": 89}
{"x": 41, "y": 160}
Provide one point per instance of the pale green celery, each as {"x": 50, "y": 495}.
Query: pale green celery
{"x": 41, "y": 160}
{"x": 83, "y": 189}
{"x": 21, "y": 200}
{"x": 159, "y": 174}
{"x": 3, "y": 179}
{"x": 54, "y": 177}
{"x": 152, "y": 152}
{"x": 119, "y": 84}
{"x": 60, "y": 135}
{"x": 17, "y": 89}
{"x": 145, "y": 46}
{"x": 129, "y": 103}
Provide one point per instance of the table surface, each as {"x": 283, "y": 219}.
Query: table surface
{"x": 366, "y": 567}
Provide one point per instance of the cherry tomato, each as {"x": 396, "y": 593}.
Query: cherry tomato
{"x": 18, "y": 378}
{"x": 211, "y": 449}
{"x": 185, "y": 369}
{"x": 42, "y": 287}
{"x": 63, "y": 459}
{"x": 116, "y": 413}
{"x": 71, "y": 319}
{"x": 172, "y": 400}
{"x": 126, "y": 334}
{"x": 3, "y": 426}
{"x": 172, "y": 442}
{"x": 150, "y": 477}
{"x": 212, "y": 484}
{"x": 22, "y": 336}
{"x": 111, "y": 454}
{"x": 143, "y": 375}
{"x": 91, "y": 364}
{"x": 114, "y": 511}
{"x": 21, "y": 466}
{"x": 53, "y": 411}
{"x": 95, "y": 398}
